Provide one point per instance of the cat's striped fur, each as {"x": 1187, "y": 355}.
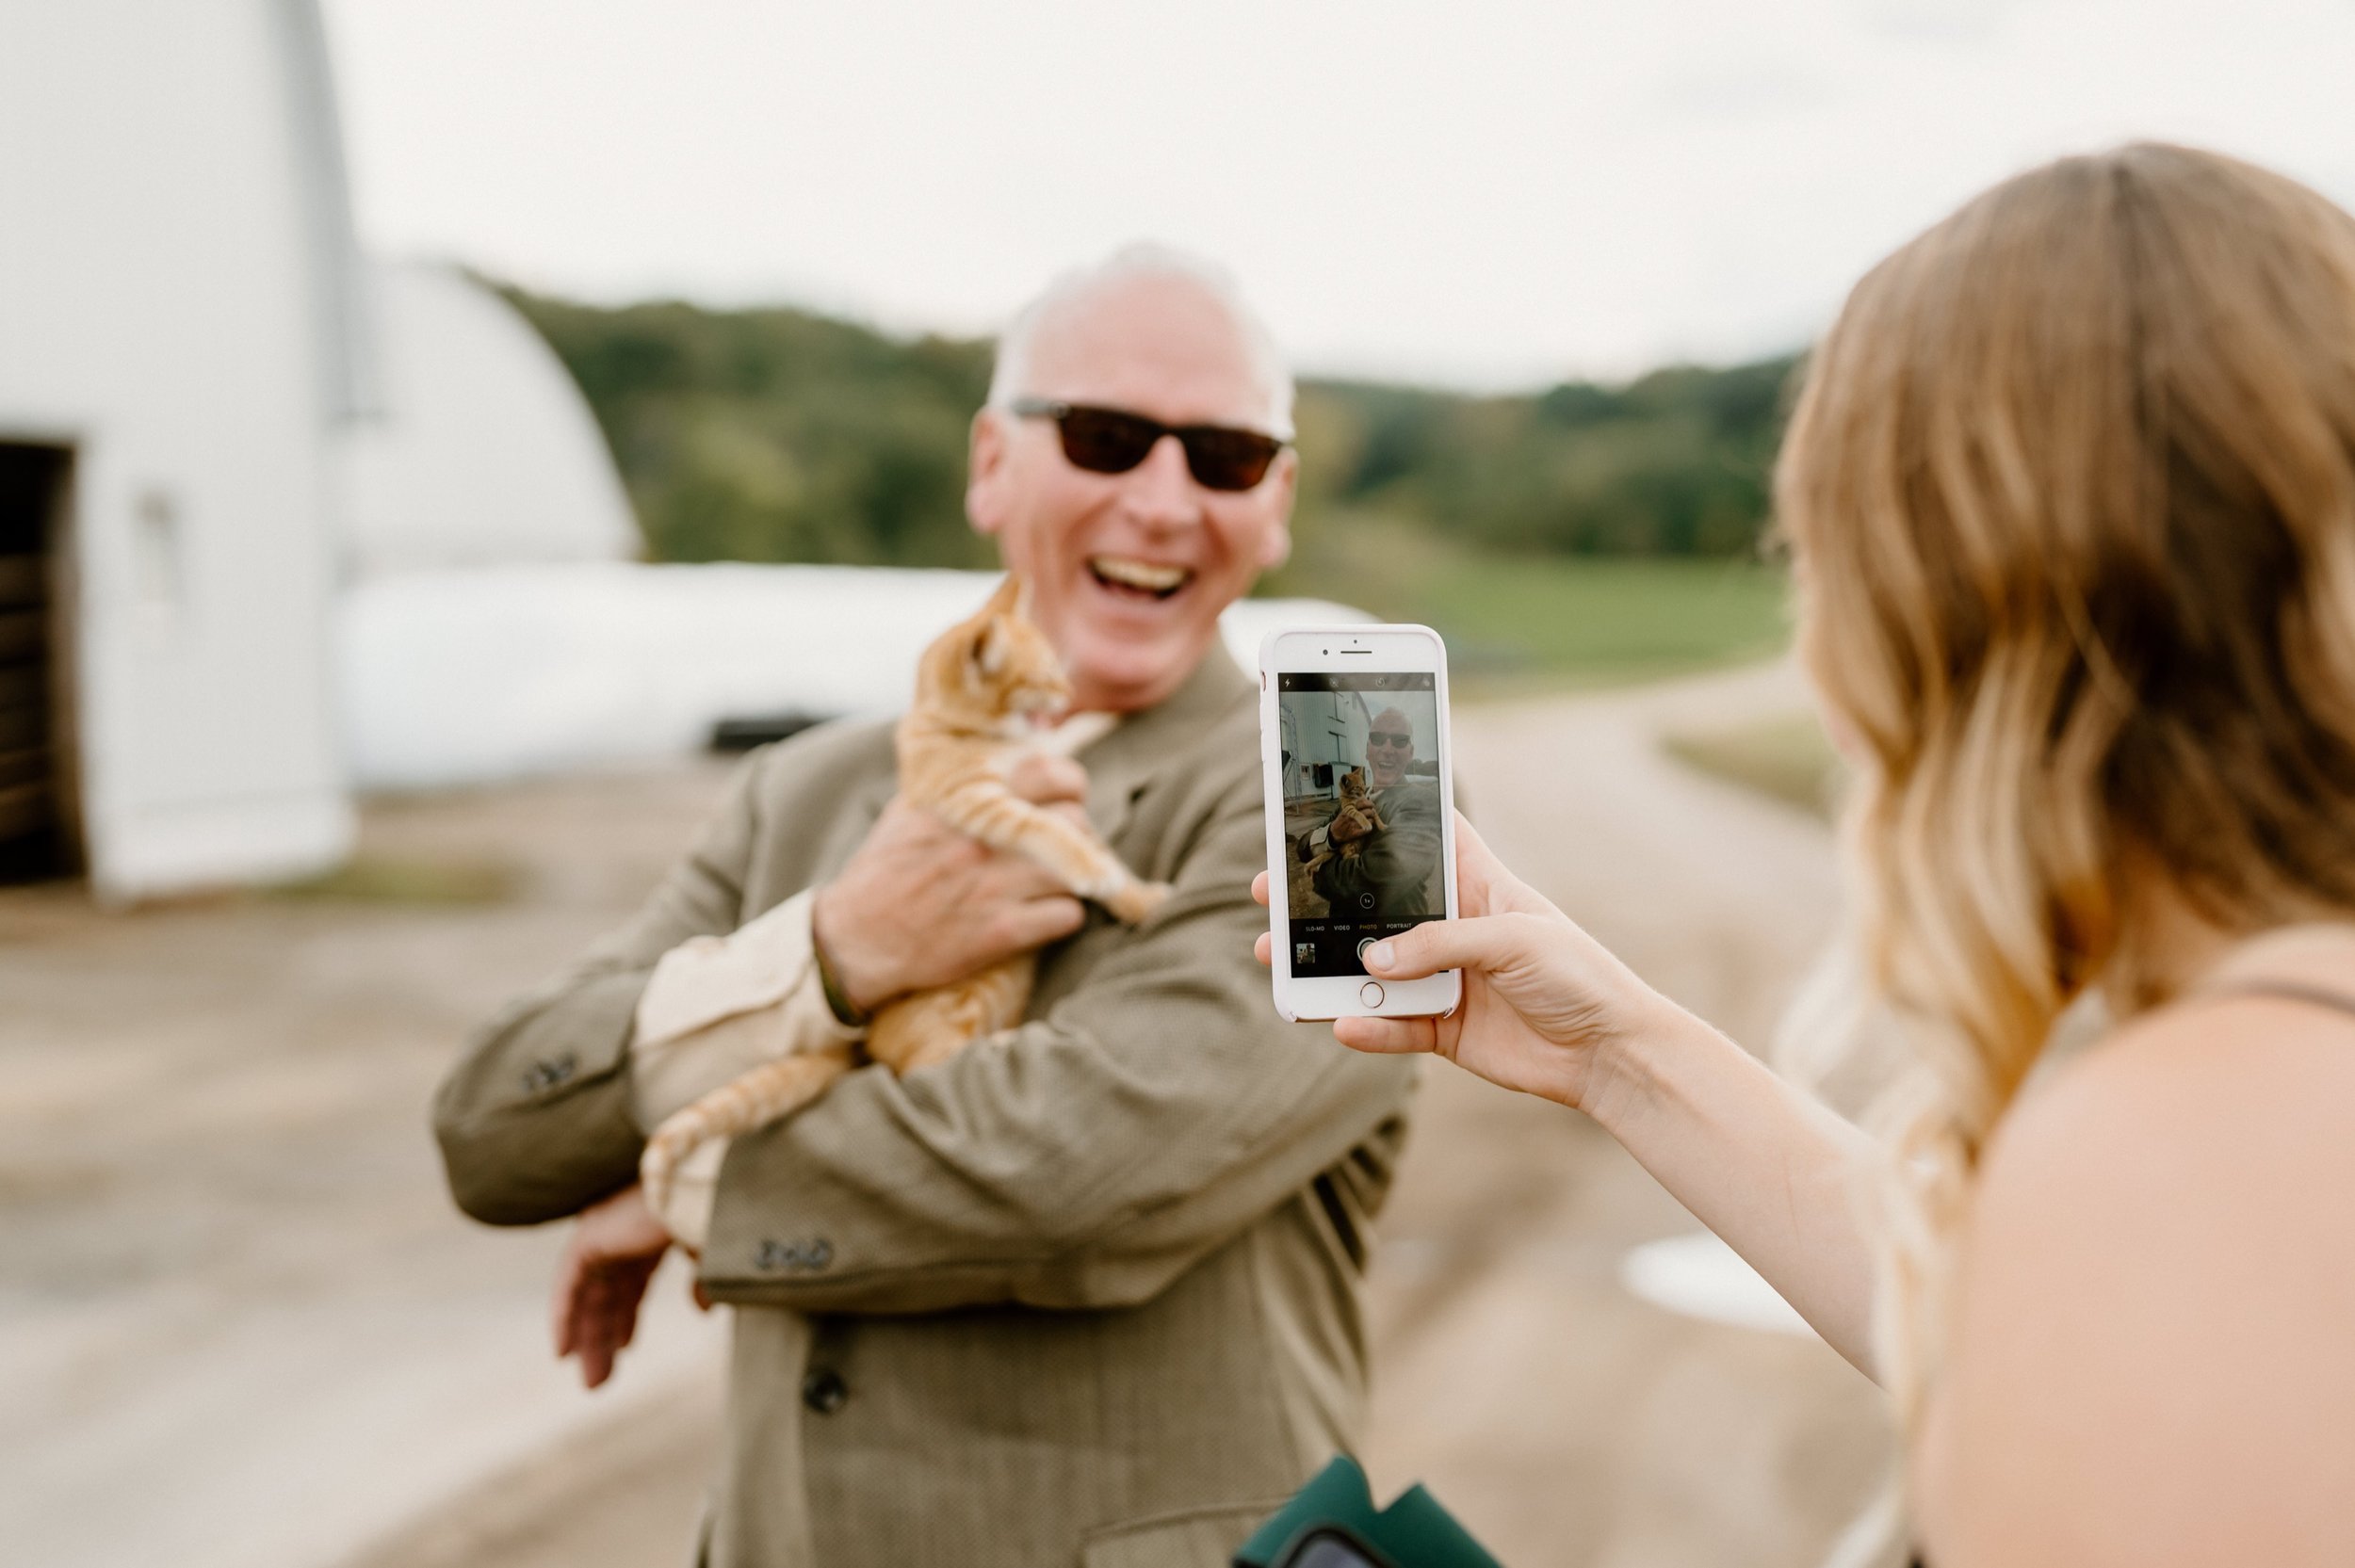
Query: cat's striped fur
{"x": 976, "y": 689}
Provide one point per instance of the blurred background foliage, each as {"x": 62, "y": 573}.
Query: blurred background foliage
{"x": 1588, "y": 531}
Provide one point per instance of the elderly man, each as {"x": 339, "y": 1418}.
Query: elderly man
{"x": 1392, "y": 874}
{"x": 1086, "y": 1295}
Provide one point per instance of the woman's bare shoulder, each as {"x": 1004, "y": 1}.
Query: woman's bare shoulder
{"x": 2215, "y": 1084}
{"x": 2149, "y": 1331}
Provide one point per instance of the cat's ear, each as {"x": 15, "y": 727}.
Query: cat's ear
{"x": 991, "y": 648}
{"x": 1012, "y": 595}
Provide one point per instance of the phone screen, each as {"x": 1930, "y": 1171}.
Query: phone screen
{"x": 1362, "y": 812}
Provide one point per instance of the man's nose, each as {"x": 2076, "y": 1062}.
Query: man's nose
{"x": 1161, "y": 491}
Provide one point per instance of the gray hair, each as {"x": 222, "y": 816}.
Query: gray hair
{"x": 1008, "y": 380}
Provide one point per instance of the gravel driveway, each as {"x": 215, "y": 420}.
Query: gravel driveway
{"x": 241, "y": 1325}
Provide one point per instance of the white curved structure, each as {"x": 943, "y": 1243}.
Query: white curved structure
{"x": 471, "y": 677}
{"x": 486, "y": 453}
{"x": 178, "y": 349}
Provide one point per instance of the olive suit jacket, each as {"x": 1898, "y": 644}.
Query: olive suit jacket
{"x": 1086, "y": 1296}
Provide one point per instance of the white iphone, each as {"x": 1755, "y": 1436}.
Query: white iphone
{"x": 1360, "y": 813}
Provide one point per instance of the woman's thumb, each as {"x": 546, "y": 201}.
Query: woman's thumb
{"x": 1438, "y": 945}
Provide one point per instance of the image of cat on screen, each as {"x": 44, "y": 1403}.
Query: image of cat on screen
{"x": 1362, "y": 805}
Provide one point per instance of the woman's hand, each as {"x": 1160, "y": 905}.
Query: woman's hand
{"x": 1548, "y": 1010}
{"x": 1545, "y": 1006}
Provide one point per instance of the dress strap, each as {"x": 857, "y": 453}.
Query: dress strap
{"x": 2284, "y": 991}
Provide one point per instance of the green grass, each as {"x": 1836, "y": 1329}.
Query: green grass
{"x": 1542, "y": 623}
{"x": 1787, "y": 756}
{"x": 1603, "y": 621}
{"x": 385, "y": 879}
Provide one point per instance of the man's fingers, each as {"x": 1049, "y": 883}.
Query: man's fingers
{"x": 1258, "y": 890}
{"x": 1044, "y": 779}
{"x": 1012, "y": 877}
{"x": 563, "y": 1302}
{"x": 1264, "y": 950}
{"x": 1387, "y": 1036}
{"x": 1485, "y": 944}
{"x": 621, "y": 1322}
{"x": 1035, "y": 922}
{"x": 607, "y": 1321}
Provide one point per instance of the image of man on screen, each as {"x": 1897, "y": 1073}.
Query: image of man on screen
{"x": 1393, "y": 873}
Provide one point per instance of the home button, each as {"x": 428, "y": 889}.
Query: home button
{"x": 1371, "y": 994}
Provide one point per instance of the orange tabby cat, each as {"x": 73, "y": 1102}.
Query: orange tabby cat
{"x": 976, "y": 689}
{"x": 1356, "y": 806}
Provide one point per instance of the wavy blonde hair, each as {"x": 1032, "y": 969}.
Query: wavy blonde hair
{"x": 2072, "y": 490}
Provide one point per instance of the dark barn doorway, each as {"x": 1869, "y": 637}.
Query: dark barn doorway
{"x": 39, "y": 801}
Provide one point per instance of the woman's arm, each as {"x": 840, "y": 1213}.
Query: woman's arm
{"x": 1768, "y": 1168}
{"x": 1548, "y": 1011}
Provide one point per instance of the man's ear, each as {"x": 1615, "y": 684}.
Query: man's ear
{"x": 1277, "y": 547}
{"x": 987, "y": 481}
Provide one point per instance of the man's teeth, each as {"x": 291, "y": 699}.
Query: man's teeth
{"x": 1138, "y": 575}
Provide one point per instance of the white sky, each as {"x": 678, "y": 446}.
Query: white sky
{"x": 1480, "y": 193}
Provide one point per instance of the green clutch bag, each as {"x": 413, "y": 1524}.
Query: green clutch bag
{"x": 1332, "y": 1522}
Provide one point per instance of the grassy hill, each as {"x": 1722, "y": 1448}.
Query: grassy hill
{"x": 1588, "y": 528}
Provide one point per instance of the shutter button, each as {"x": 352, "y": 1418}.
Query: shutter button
{"x": 824, "y": 1391}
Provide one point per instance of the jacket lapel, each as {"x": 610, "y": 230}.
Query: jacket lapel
{"x": 1122, "y": 765}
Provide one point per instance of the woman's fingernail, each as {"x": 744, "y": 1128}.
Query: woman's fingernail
{"x": 1378, "y": 956}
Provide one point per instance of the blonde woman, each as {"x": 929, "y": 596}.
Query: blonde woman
{"x": 2071, "y": 492}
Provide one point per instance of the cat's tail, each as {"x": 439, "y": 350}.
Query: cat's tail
{"x": 768, "y": 1092}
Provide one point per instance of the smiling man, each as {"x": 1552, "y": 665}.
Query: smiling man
{"x": 1393, "y": 875}
{"x": 1083, "y": 1294}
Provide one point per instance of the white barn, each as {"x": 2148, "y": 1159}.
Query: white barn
{"x": 275, "y": 522}
{"x": 179, "y": 347}
{"x": 1323, "y": 736}
{"x": 487, "y": 454}
{"x": 218, "y": 425}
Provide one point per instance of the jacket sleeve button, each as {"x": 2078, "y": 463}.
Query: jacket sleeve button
{"x": 824, "y": 1391}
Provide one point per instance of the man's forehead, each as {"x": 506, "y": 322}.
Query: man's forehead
{"x": 1163, "y": 345}
{"x": 1395, "y": 719}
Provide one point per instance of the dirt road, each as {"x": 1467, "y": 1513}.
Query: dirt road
{"x": 241, "y": 1325}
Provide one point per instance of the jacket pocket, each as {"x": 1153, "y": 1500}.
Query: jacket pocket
{"x": 1190, "y": 1538}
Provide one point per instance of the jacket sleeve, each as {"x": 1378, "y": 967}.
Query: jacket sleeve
{"x": 534, "y": 1122}
{"x": 1086, "y": 1160}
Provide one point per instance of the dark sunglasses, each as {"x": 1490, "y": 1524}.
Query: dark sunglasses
{"x": 1112, "y": 440}
{"x": 1389, "y": 738}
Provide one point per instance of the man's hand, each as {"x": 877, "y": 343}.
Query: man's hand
{"x": 616, "y": 1246}
{"x": 921, "y": 904}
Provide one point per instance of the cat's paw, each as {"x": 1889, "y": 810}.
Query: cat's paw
{"x": 1133, "y": 903}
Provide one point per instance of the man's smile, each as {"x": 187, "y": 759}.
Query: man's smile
{"x": 1132, "y": 578}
